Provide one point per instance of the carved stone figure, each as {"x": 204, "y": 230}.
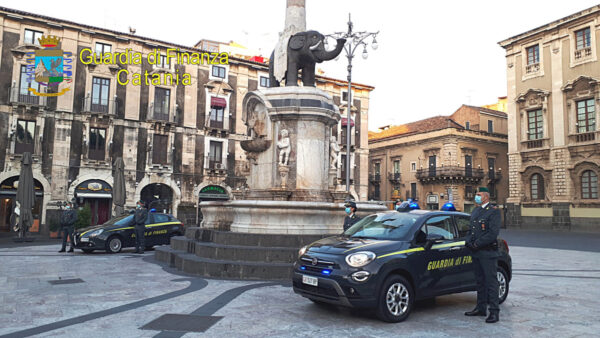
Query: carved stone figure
{"x": 284, "y": 147}
{"x": 334, "y": 152}
{"x": 304, "y": 50}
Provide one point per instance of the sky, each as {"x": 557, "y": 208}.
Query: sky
{"x": 433, "y": 56}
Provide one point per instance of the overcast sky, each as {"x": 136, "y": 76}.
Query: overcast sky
{"x": 433, "y": 56}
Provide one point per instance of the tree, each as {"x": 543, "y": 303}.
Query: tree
{"x": 84, "y": 217}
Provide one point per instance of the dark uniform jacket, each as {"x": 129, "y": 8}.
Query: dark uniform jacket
{"x": 350, "y": 220}
{"x": 485, "y": 227}
{"x": 68, "y": 218}
{"x": 140, "y": 216}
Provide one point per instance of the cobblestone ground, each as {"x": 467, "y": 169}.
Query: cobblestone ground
{"x": 554, "y": 293}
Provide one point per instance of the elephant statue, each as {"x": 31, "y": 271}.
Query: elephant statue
{"x": 304, "y": 50}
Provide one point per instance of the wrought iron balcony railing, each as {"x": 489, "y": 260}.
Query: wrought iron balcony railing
{"x": 450, "y": 173}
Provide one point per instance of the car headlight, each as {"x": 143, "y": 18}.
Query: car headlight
{"x": 96, "y": 232}
{"x": 302, "y": 251}
{"x": 360, "y": 258}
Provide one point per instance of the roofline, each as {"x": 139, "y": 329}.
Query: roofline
{"x": 480, "y": 132}
{"x": 143, "y": 39}
{"x": 591, "y": 10}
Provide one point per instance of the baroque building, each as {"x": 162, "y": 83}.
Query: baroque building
{"x": 180, "y": 143}
{"x": 553, "y": 106}
{"x": 441, "y": 159}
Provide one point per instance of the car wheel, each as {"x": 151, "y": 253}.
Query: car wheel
{"x": 87, "y": 251}
{"x": 502, "y": 284}
{"x": 114, "y": 244}
{"x": 395, "y": 300}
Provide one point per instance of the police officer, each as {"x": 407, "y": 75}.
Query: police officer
{"x": 351, "y": 217}
{"x": 482, "y": 240}
{"x": 139, "y": 219}
{"x": 67, "y": 226}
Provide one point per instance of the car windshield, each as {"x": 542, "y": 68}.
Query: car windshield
{"x": 382, "y": 226}
{"x": 122, "y": 220}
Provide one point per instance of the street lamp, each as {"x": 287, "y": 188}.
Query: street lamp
{"x": 353, "y": 41}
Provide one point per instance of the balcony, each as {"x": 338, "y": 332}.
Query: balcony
{"x": 534, "y": 144}
{"x": 589, "y": 136}
{"x": 583, "y": 53}
{"x": 18, "y": 96}
{"x": 100, "y": 107}
{"x": 494, "y": 176}
{"x": 214, "y": 166}
{"x": 532, "y": 68}
{"x": 394, "y": 177}
{"x": 449, "y": 174}
{"x": 160, "y": 113}
{"x": 373, "y": 178}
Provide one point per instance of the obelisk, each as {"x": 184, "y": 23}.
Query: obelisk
{"x": 295, "y": 22}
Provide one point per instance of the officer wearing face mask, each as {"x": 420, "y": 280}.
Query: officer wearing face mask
{"x": 139, "y": 218}
{"x": 482, "y": 239}
{"x": 67, "y": 226}
{"x": 351, "y": 217}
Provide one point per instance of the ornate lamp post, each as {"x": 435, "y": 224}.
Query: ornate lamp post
{"x": 353, "y": 41}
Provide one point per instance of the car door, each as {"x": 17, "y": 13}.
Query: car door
{"x": 148, "y": 237}
{"x": 159, "y": 229}
{"x": 466, "y": 272}
{"x": 438, "y": 272}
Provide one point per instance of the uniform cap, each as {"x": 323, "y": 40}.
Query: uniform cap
{"x": 483, "y": 189}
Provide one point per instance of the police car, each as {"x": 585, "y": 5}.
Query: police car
{"x": 119, "y": 233}
{"x": 388, "y": 260}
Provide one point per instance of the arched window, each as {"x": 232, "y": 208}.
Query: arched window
{"x": 589, "y": 184}
{"x": 537, "y": 187}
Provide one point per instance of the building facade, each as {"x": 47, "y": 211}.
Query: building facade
{"x": 441, "y": 159}
{"x": 180, "y": 143}
{"x": 553, "y": 103}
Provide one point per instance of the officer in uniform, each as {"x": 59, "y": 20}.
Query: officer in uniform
{"x": 482, "y": 240}
{"x": 67, "y": 226}
{"x": 351, "y": 217}
{"x": 139, "y": 218}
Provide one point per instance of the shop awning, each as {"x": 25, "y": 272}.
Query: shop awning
{"x": 93, "y": 195}
{"x": 345, "y": 122}
{"x": 218, "y": 102}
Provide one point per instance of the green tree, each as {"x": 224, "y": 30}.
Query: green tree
{"x": 84, "y": 217}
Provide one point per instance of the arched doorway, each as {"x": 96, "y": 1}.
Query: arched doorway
{"x": 210, "y": 193}
{"x": 97, "y": 194}
{"x": 158, "y": 196}
{"x": 8, "y": 195}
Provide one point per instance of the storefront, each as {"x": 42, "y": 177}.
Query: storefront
{"x": 97, "y": 194}
{"x": 8, "y": 194}
{"x": 211, "y": 193}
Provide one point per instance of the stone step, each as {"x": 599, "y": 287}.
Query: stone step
{"x": 225, "y": 269}
{"x": 247, "y": 239}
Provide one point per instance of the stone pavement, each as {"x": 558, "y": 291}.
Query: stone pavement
{"x": 554, "y": 293}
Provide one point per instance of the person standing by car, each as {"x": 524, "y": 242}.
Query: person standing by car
{"x": 351, "y": 217}
{"x": 139, "y": 219}
{"x": 67, "y": 226}
{"x": 482, "y": 239}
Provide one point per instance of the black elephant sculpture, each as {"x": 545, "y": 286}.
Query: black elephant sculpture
{"x": 304, "y": 50}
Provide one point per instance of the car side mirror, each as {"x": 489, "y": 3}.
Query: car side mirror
{"x": 433, "y": 239}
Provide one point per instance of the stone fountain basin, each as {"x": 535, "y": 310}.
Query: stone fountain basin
{"x": 256, "y": 145}
{"x": 279, "y": 217}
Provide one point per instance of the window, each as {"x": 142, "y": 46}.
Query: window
{"x": 440, "y": 225}
{"x": 159, "y": 149}
{"x": 537, "y": 187}
{"x": 218, "y": 71}
{"x": 586, "y": 116}
{"x": 97, "y": 144}
{"x": 162, "y": 100}
{"x": 491, "y": 168}
{"x": 32, "y": 37}
{"x": 102, "y": 48}
{"x": 589, "y": 184}
{"x": 377, "y": 168}
{"x": 490, "y": 126}
{"x": 582, "y": 38}
{"x": 468, "y": 125}
{"x": 25, "y": 95}
{"x": 396, "y": 166}
{"x": 216, "y": 116}
{"x": 413, "y": 191}
{"x": 345, "y": 96}
{"x": 463, "y": 225}
{"x": 413, "y": 166}
{"x": 25, "y": 136}
{"x": 162, "y": 62}
{"x": 264, "y": 81}
{"x": 533, "y": 55}
{"x": 469, "y": 194}
{"x": 215, "y": 154}
{"x": 100, "y": 90}
{"x": 535, "y": 129}
{"x": 161, "y": 218}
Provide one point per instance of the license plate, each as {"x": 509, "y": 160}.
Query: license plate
{"x": 85, "y": 239}
{"x": 314, "y": 281}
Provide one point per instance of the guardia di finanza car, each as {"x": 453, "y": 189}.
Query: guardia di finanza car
{"x": 389, "y": 260}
